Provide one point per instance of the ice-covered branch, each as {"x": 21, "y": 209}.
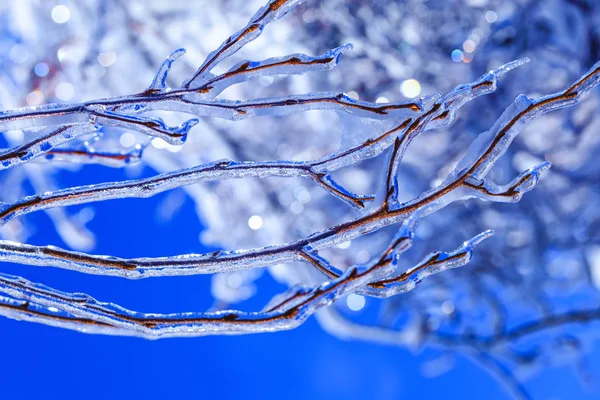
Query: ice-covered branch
{"x": 390, "y": 286}
{"x": 441, "y": 114}
{"x": 102, "y": 111}
{"x": 293, "y": 64}
{"x": 43, "y": 144}
{"x": 273, "y": 11}
{"x": 489, "y": 146}
{"x": 510, "y": 192}
{"x": 404, "y": 132}
{"x": 40, "y": 303}
{"x": 400, "y": 243}
{"x": 452, "y": 189}
{"x": 143, "y": 188}
{"x": 124, "y": 112}
{"x": 105, "y": 158}
{"x": 159, "y": 83}
{"x": 432, "y": 264}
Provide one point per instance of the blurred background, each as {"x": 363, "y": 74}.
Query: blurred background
{"x": 543, "y": 262}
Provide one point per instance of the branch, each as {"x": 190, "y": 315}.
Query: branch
{"x": 293, "y": 64}
{"x": 449, "y": 191}
{"x": 407, "y": 130}
{"x": 121, "y": 111}
{"x": 42, "y": 304}
{"x": 274, "y": 10}
{"x": 159, "y": 83}
{"x": 43, "y": 144}
{"x": 511, "y": 192}
{"x": 448, "y": 106}
{"x": 144, "y": 188}
{"x": 105, "y": 158}
{"x": 434, "y": 263}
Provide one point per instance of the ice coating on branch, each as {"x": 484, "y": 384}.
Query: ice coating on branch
{"x": 160, "y": 80}
{"x": 50, "y": 306}
{"x": 152, "y": 126}
{"x": 124, "y": 112}
{"x": 84, "y": 156}
{"x": 511, "y": 192}
{"x": 342, "y": 193}
{"x": 196, "y": 104}
{"x": 441, "y": 112}
{"x": 516, "y": 117}
{"x": 293, "y": 64}
{"x": 45, "y": 142}
{"x": 274, "y": 10}
{"x": 143, "y": 188}
{"x": 506, "y": 68}
{"x": 434, "y": 263}
{"x": 41, "y": 116}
